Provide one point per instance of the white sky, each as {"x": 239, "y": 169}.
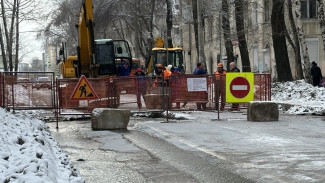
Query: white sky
{"x": 32, "y": 46}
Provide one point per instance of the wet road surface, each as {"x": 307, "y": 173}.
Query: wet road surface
{"x": 144, "y": 159}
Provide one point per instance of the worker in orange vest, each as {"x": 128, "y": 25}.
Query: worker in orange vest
{"x": 161, "y": 73}
{"x": 221, "y": 83}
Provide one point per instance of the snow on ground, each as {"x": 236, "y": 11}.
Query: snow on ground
{"x": 299, "y": 97}
{"x": 28, "y": 152}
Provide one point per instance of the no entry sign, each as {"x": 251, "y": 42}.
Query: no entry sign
{"x": 239, "y": 87}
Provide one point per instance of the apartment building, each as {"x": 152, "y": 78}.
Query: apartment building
{"x": 257, "y": 16}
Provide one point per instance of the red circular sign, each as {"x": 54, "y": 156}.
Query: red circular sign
{"x": 239, "y": 87}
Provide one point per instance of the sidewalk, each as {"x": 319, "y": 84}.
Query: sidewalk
{"x": 289, "y": 150}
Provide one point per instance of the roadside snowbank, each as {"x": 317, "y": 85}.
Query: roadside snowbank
{"x": 299, "y": 97}
{"x": 28, "y": 152}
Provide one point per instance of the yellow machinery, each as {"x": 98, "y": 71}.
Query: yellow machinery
{"x": 165, "y": 56}
{"x": 95, "y": 58}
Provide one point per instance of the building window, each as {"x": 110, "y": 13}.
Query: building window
{"x": 308, "y": 9}
{"x": 313, "y": 49}
{"x": 267, "y": 10}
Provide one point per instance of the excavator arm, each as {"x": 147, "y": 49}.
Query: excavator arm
{"x": 86, "y": 43}
{"x": 96, "y": 58}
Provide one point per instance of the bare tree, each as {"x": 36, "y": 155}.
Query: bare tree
{"x": 295, "y": 43}
{"x": 227, "y": 33}
{"x": 196, "y": 25}
{"x": 239, "y": 11}
{"x": 17, "y": 36}
{"x": 12, "y": 14}
{"x": 8, "y": 32}
{"x": 279, "y": 41}
{"x": 3, "y": 51}
{"x": 301, "y": 35}
{"x": 169, "y": 22}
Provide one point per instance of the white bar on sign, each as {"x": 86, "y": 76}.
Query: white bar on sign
{"x": 239, "y": 87}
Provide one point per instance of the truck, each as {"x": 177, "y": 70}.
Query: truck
{"x": 165, "y": 56}
{"x": 95, "y": 58}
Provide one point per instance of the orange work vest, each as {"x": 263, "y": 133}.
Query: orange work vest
{"x": 218, "y": 74}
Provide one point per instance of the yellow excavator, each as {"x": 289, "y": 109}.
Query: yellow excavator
{"x": 96, "y": 58}
{"x": 165, "y": 56}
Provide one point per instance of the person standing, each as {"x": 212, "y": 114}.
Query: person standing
{"x": 123, "y": 69}
{"x": 176, "y": 84}
{"x": 161, "y": 75}
{"x": 316, "y": 74}
{"x": 142, "y": 85}
{"x": 221, "y": 84}
{"x": 233, "y": 68}
{"x": 199, "y": 70}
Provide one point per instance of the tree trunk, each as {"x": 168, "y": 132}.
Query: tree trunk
{"x": 3, "y": 52}
{"x": 226, "y": 33}
{"x": 196, "y": 26}
{"x": 301, "y": 35}
{"x": 152, "y": 42}
{"x": 296, "y": 46}
{"x": 17, "y": 38}
{"x": 321, "y": 20}
{"x": 279, "y": 41}
{"x": 169, "y": 22}
{"x": 5, "y": 27}
{"x": 11, "y": 34}
{"x": 244, "y": 55}
{"x": 200, "y": 19}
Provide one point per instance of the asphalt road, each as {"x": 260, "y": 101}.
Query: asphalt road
{"x": 200, "y": 149}
{"x": 143, "y": 159}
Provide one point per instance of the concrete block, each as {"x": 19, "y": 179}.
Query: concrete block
{"x": 262, "y": 111}
{"x": 156, "y": 101}
{"x": 110, "y": 119}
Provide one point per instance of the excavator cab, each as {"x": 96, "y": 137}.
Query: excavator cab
{"x": 109, "y": 53}
{"x": 105, "y": 57}
{"x": 166, "y": 56}
{"x": 175, "y": 58}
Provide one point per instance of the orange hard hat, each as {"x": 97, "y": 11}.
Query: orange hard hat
{"x": 220, "y": 65}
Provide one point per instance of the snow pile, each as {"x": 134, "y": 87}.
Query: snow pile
{"x": 299, "y": 97}
{"x": 30, "y": 154}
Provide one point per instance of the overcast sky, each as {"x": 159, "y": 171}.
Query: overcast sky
{"x": 31, "y": 46}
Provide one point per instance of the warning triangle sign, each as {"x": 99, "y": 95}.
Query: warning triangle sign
{"x": 83, "y": 90}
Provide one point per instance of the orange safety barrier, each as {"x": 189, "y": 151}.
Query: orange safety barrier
{"x": 180, "y": 92}
{"x": 122, "y": 92}
{"x": 113, "y": 92}
{"x": 100, "y": 86}
{"x": 27, "y": 90}
{"x": 262, "y": 87}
